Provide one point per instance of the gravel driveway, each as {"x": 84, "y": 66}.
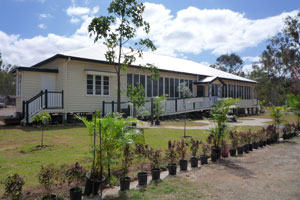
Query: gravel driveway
{"x": 270, "y": 173}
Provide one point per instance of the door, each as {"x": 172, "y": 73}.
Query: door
{"x": 48, "y": 82}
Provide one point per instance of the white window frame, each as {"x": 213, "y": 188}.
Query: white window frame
{"x": 94, "y": 85}
{"x": 19, "y": 85}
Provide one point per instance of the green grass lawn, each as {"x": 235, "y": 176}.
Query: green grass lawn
{"x": 181, "y": 123}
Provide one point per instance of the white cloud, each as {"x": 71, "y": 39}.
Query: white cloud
{"x": 45, "y": 16}
{"x": 247, "y": 68}
{"x": 194, "y": 30}
{"x": 77, "y": 11}
{"x": 78, "y": 14}
{"x": 42, "y": 26}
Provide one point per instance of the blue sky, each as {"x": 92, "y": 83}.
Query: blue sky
{"x": 199, "y": 30}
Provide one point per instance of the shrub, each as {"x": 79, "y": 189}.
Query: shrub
{"x": 75, "y": 174}
{"x": 234, "y": 139}
{"x": 142, "y": 151}
{"x": 205, "y": 148}
{"x": 194, "y": 147}
{"x": 171, "y": 152}
{"x": 127, "y": 159}
{"x": 155, "y": 157}
{"x": 181, "y": 149}
{"x": 47, "y": 178}
{"x": 13, "y": 187}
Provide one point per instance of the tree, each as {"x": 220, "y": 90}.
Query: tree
{"x": 117, "y": 30}
{"x": 231, "y": 63}
{"x": 43, "y": 120}
{"x": 294, "y": 104}
{"x": 185, "y": 92}
{"x": 7, "y": 80}
{"x": 137, "y": 97}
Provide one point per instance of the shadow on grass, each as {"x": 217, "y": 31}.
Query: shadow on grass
{"x": 236, "y": 169}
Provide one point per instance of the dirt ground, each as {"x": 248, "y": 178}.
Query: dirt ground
{"x": 269, "y": 173}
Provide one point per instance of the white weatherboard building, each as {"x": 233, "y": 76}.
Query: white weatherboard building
{"x": 82, "y": 81}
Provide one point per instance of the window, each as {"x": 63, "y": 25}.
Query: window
{"x": 191, "y": 86}
{"x": 90, "y": 84}
{"x": 161, "y": 86}
{"x": 19, "y": 85}
{"x": 142, "y": 80}
{"x": 176, "y": 87}
{"x": 167, "y": 86}
{"x": 155, "y": 87}
{"x": 97, "y": 85}
{"x": 200, "y": 91}
{"x": 106, "y": 85}
{"x": 242, "y": 91}
{"x": 149, "y": 86}
{"x": 135, "y": 79}
{"x": 172, "y": 87}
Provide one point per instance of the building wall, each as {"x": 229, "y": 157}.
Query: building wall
{"x": 31, "y": 86}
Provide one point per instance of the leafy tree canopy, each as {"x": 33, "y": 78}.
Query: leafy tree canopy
{"x": 231, "y": 63}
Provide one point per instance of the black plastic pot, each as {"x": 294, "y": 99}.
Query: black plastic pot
{"x": 183, "y": 165}
{"x": 49, "y": 197}
{"x": 261, "y": 144}
{"x": 142, "y": 178}
{"x": 264, "y": 142}
{"x": 268, "y": 141}
{"x": 216, "y": 150}
{"x": 240, "y": 150}
{"x": 250, "y": 147}
{"x": 232, "y": 152}
{"x": 225, "y": 153}
{"x": 75, "y": 193}
{"x": 203, "y": 159}
{"x": 172, "y": 169}
{"x": 214, "y": 157}
{"x": 246, "y": 148}
{"x": 92, "y": 186}
{"x": 155, "y": 173}
{"x": 124, "y": 183}
{"x": 194, "y": 162}
{"x": 255, "y": 145}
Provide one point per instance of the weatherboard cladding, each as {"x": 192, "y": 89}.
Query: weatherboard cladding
{"x": 96, "y": 54}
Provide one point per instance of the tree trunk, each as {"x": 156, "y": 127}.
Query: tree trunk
{"x": 119, "y": 90}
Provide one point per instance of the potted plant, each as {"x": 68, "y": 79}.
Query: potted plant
{"x": 194, "y": 149}
{"x": 155, "y": 159}
{"x": 261, "y": 136}
{"x": 215, "y": 149}
{"x": 181, "y": 150}
{"x": 171, "y": 155}
{"x": 255, "y": 137}
{"x": 240, "y": 148}
{"x": 225, "y": 151}
{"x": 47, "y": 178}
{"x": 126, "y": 162}
{"x": 219, "y": 114}
{"x": 249, "y": 140}
{"x": 204, "y": 157}
{"x": 142, "y": 152}
{"x": 13, "y": 187}
{"x": 75, "y": 174}
{"x": 234, "y": 142}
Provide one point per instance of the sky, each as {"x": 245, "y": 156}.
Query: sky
{"x": 198, "y": 30}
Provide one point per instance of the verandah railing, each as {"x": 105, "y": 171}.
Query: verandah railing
{"x": 43, "y": 100}
{"x": 170, "y": 106}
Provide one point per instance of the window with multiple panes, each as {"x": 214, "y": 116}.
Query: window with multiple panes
{"x": 172, "y": 87}
{"x": 167, "y": 86}
{"x": 97, "y": 85}
{"x": 149, "y": 86}
{"x": 19, "y": 85}
{"x": 161, "y": 86}
{"x": 176, "y": 87}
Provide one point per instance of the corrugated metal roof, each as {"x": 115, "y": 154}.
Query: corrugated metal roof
{"x": 97, "y": 52}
